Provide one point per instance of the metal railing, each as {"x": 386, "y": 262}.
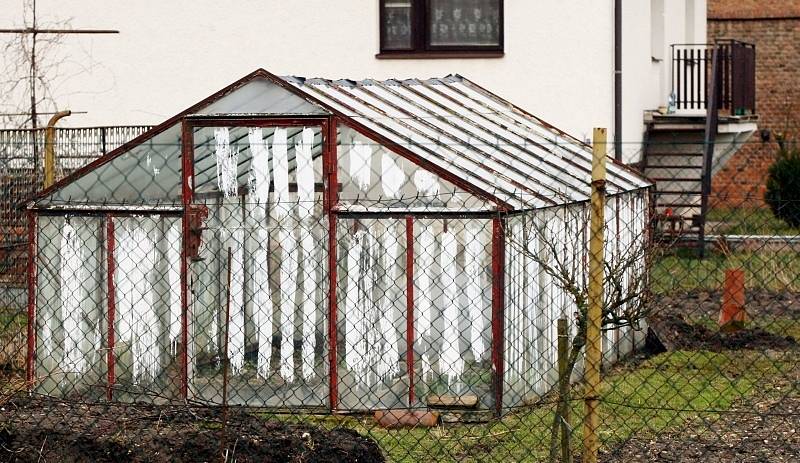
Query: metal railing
{"x": 75, "y": 147}
{"x": 21, "y": 175}
{"x": 691, "y": 76}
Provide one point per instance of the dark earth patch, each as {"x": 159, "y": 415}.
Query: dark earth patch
{"x": 705, "y": 303}
{"x": 40, "y": 429}
{"x": 681, "y": 321}
{"x": 675, "y": 333}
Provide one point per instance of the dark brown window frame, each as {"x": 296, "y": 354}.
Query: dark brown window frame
{"x": 420, "y": 12}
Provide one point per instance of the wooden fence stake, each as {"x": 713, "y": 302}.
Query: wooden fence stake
{"x": 563, "y": 389}
{"x": 591, "y": 443}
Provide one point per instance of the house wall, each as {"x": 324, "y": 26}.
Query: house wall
{"x": 774, "y": 27}
{"x": 558, "y": 61}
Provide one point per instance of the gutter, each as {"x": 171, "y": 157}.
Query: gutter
{"x": 618, "y": 80}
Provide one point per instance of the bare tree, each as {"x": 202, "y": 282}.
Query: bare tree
{"x": 30, "y": 64}
{"x": 559, "y": 246}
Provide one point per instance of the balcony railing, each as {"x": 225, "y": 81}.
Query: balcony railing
{"x": 691, "y": 75}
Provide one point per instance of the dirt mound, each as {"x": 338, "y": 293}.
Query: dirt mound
{"x": 674, "y": 332}
{"x": 39, "y": 429}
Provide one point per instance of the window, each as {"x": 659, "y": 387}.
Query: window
{"x": 441, "y": 27}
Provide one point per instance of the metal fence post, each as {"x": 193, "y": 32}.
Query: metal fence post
{"x": 591, "y": 444}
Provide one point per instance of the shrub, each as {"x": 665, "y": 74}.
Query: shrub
{"x": 783, "y": 187}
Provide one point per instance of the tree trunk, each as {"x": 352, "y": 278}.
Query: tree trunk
{"x": 564, "y": 393}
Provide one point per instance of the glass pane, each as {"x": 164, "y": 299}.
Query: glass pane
{"x": 70, "y": 317}
{"x": 372, "y": 178}
{"x": 464, "y": 23}
{"x": 371, "y": 322}
{"x": 396, "y": 27}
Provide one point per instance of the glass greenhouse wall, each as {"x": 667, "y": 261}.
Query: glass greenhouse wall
{"x": 312, "y": 260}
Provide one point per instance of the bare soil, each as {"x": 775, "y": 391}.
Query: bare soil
{"x": 676, "y": 333}
{"x": 675, "y": 318}
{"x": 704, "y": 303}
{"x": 38, "y": 429}
{"x": 764, "y": 429}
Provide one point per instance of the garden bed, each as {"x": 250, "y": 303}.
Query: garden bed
{"x": 39, "y": 429}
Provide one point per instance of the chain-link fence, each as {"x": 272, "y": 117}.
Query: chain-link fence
{"x": 360, "y": 307}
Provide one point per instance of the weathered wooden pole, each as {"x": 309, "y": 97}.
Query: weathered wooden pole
{"x": 594, "y": 316}
{"x": 563, "y": 388}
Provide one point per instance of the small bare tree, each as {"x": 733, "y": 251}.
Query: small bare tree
{"x": 30, "y": 63}
{"x": 561, "y": 252}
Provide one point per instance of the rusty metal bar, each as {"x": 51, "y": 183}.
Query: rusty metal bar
{"x": 110, "y": 358}
{"x": 330, "y": 198}
{"x": 498, "y": 308}
{"x": 712, "y": 122}
{"x": 50, "y": 148}
{"x": 410, "y": 307}
{"x": 187, "y": 177}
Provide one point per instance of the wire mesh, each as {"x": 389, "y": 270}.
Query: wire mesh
{"x": 400, "y": 319}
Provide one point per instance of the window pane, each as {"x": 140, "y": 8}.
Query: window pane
{"x": 396, "y": 27}
{"x": 464, "y": 23}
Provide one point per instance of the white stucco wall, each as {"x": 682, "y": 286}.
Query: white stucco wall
{"x": 558, "y": 61}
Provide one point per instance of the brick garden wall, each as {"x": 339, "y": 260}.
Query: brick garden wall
{"x": 774, "y": 26}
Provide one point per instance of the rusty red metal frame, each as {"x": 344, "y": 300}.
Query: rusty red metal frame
{"x": 201, "y": 120}
{"x": 187, "y": 175}
{"x": 31, "y": 353}
{"x": 259, "y": 73}
{"x": 498, "y": 306}
{"x": 255, "y": 120}
{"x": 410, "y": 307}
{"x": 111, "y": 361}
{"x": 330, "y": 198}
{"x": 188, "y": 123}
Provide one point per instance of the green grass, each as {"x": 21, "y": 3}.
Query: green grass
{"x": 12, "y": 320}
{"x": 684, "y": 271}
{"x": 663, "y": 393}
{"x": 747, "y": 221}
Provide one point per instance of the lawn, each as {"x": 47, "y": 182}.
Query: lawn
{"x": 682, "y": 270}
{"x": 661, "y": 393}
{"x": 747, "y": 221}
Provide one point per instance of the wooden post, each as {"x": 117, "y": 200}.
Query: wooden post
{"x": 563, "y": 389}
{"x": 591, "y": 443}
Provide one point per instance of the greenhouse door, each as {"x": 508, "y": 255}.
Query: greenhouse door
{"x": 259, "y": 276}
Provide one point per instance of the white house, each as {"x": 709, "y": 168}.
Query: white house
{"x": 554, "y": 58}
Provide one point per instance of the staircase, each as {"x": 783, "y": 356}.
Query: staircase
{"x": 676, "y": 167}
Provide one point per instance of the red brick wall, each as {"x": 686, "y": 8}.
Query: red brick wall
{"x": 752, "y": 9}
{"x": 774, "y": 26}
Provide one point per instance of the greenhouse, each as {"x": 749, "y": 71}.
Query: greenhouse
{"x": 331, "y": 245}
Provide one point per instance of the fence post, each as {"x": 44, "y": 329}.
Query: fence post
{"x": 563, "y": 388}
{"x": 591, "y": 444}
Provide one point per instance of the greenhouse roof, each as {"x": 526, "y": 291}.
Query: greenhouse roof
{"x": 449, "y": 125}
